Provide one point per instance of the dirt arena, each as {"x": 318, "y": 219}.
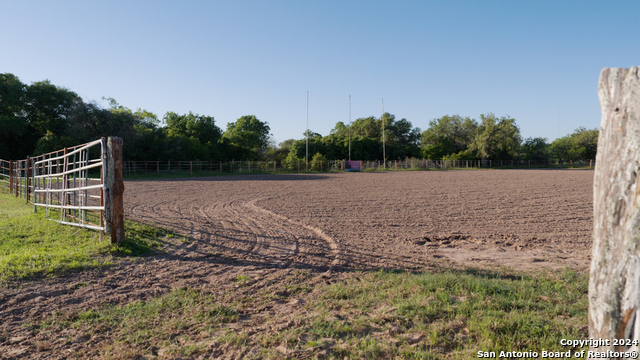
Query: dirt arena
{"x": 524, "y": 219}
{"x": 272, "y": 228}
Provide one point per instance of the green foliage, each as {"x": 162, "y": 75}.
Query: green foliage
{"x": 448, "y": 135}
{"x": 193, "y": 126}
{"x": 13, "y": 127}
{"x": 535, "y": 149}
{"x": 291, "y": 161}
{"x": 497, "y": 138}
{"x": 318, "y": 162}
{"x": 48, "y": 107}
{"x": 581, "y": 144}
{"x": 279, "y": 153}
{"x": 42, "y": 117}
{"x": 249, "y": 136}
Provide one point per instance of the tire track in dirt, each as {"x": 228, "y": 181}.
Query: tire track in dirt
{"x": 239, "y": 229}
{"x": 333, "y": 245}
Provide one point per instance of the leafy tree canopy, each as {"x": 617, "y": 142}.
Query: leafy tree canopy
{"x": 250, "y": 134}
{"x": 497, "y": 138}
{"x": 448, "y": 135}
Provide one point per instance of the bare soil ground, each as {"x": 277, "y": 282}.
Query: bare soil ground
{"x": 271, "y": 227}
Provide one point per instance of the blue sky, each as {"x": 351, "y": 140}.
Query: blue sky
{"x": 536, "y": 61}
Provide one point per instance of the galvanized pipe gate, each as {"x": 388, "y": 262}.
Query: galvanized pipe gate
{"x": 82, "y": 183}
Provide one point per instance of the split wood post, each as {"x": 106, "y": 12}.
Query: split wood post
{"x": 114, "y": 191}
{"x": 220, "y": 167}
{"x": 614, "y": 281}
{"x": 274, "y": 166}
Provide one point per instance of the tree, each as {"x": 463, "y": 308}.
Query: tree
{"x": 496, "y": 138}
{"x": 299, "y": 147}
{"x": 192, "y": 125}
{"x": 561, "y": 149}
{"x": 402, "y": 139}
{"x": 582, "y": 144}
{"x": 249, "y": 134}
{"x": 448, "y": 135}
{"x": 585, "y": 142}
{"x": 535, "y": 149}
{"x": 48, "y": 107}
{"x": 14, "y": 142}
{"x": 318, "y": 162}
{"x": 279, "y": 153}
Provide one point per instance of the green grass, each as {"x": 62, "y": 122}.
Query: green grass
{"x": 452, "y": 313}
{"x": 32, "y": 245}
{"x": 378, "y": 315}
{"x": 179, "y": 323}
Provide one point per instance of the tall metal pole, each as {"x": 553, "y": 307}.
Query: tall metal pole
{"x": 349, "y": 127}
{"x": 384, "y": 152}
{"x": 306, "y": 159}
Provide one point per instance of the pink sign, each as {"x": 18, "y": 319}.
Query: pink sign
{"x": 352, "y": 166}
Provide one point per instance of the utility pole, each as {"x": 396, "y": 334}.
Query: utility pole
{"x": 306, "y": 159}
{"x": 349, "y": 127}
{"x": 384, "y": 152}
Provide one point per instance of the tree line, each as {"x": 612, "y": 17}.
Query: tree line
{"x": 43, "y": 117}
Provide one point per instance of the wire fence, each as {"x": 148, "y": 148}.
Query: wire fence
{"x": 142, "y": 168}
{"x": 74, "y": 185}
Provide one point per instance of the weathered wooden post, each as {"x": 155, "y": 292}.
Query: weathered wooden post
{"x": 114, "y": 191}
{"x": 614, "y": 284}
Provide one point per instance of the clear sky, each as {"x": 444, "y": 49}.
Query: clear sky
{"x": 536, "y": 61}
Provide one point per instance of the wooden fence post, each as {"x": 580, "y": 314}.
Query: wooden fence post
{"x": 114, "y": 204}
{"x": 614, "y": 286}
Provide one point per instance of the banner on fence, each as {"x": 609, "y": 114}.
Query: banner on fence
{"x": 352, "y": 166}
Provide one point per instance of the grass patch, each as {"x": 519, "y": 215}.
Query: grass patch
{"x": 427, "y": 315}
{"x": 32, "y": 245}
{"x": 169, "y": 324}
{"x": 379, "y": 315}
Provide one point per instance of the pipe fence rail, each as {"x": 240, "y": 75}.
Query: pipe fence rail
{"x": 141, "y": 168}
{"x": 81, "y": 184}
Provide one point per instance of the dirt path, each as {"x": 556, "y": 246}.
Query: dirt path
{"x": 268, "y": 226}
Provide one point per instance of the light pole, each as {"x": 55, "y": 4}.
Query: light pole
{"x": 349, "y": 127}
{"x": 384, "y": 152}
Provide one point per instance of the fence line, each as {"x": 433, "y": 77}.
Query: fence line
{"x": 136, "y": 168}
{"x": 82, "y": 183}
